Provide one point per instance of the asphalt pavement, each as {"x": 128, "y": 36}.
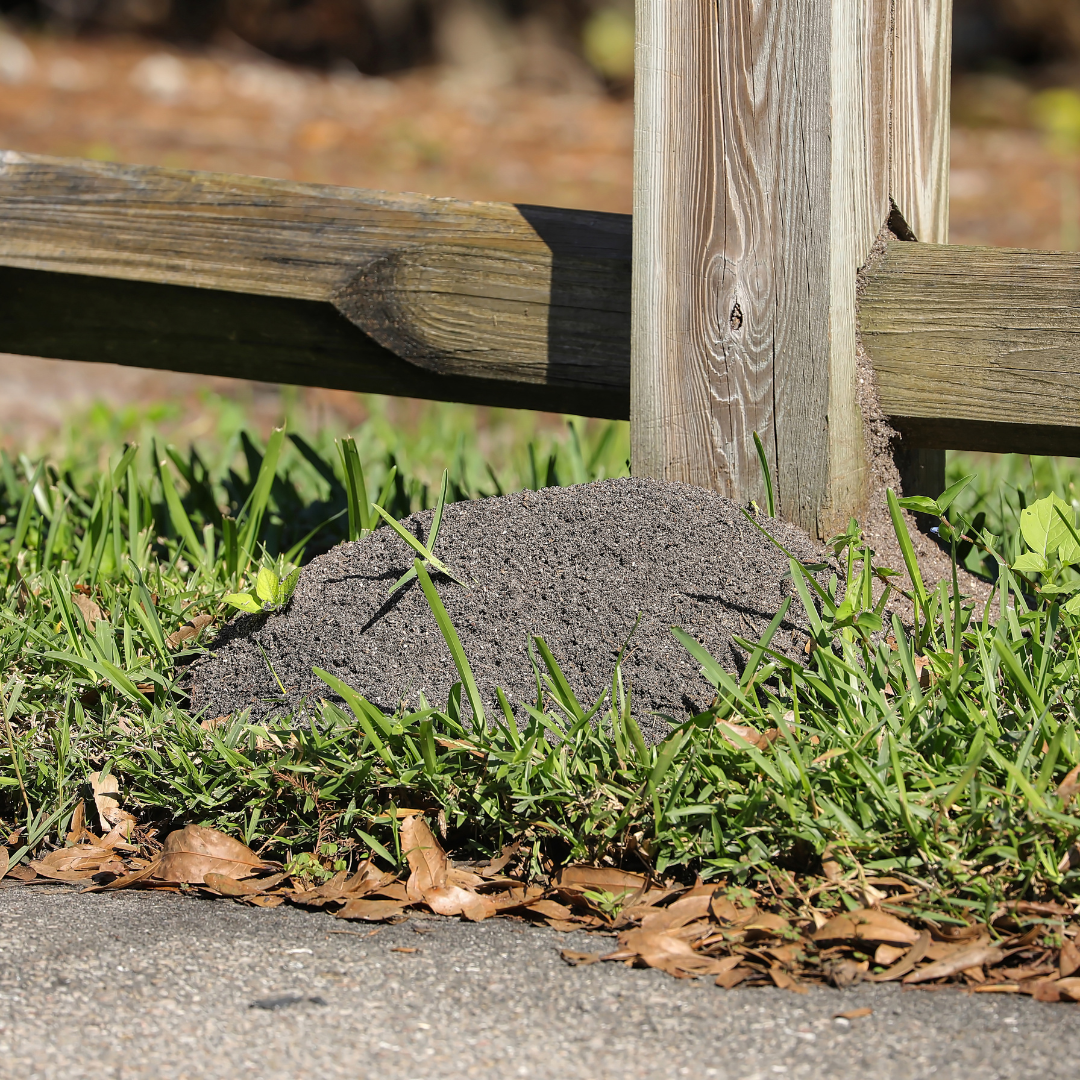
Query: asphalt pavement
{"x": 150, "y": 985}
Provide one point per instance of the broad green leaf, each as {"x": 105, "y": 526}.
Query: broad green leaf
{"x": 266, "y": 586}
{"x": 244, "y": 601}
{"x": 920, "y": 504}
{"x": 1045, "y": 532}
{"x": 1031, "y": 562}
{"x": 948, "y": 496}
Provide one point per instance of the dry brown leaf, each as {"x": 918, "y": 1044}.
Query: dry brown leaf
{"x": 230, "y": 886}
{"x": 1070, "y": 785}
{"x": 453, "y": 900}
{"x": 867, "y": 924}
{"x": 832, "y": 870}
{"x": 188, "y": 631}
{"x": 405, "y": 949}
{"x": 727, "y": 912}
{"x": 1046, "y": 990}
{"x": 784, "y": 981}
{"x": 1042, "y": 907}
{"x": 267, "y": 900}
{"x": 854, "y": 1014}
{"x": 22, "y": 873}
{"x": 4, "y": 857}
{"x": 973, "y": 956}
{"x": 685, "y": 910}
{"x": 732, "y": 977}
{"x": 1069, "y": 988}
{"x": 189, "y": 854}
{"x": 1068, "y": 960}
{"x": 427, "y": 860}
{"x": 108, "y": 807}
{"x": 766, "y": 925}
{"x": 212, "y": 724}
{"x": 847, "y": 972}
{"x": 90, "y": 611}
{"x": 888, "y": 954}
{"x": 1071, "y": 859}
{"x": 372, "y": 910}
{"x": 914, "y": 955}
{"x": 599, "y": 879}
{"x": 579, "y": 959}
{"x": 84, "y": 857}
{"x": 549, "y": 909}
{"x": 758, "y": 739}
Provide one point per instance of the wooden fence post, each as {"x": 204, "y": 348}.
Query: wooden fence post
{"x": 919, "y": 172}
{"x": 763, "y": 158}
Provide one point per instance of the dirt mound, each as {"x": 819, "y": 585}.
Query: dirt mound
{"x": 574, "y": 565}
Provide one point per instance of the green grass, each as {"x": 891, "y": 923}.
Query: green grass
{"x": 950, "y": 779}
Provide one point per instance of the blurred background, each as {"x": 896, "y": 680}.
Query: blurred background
{"x": 519, "y": 100}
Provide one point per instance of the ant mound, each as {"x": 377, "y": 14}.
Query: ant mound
{"x": 594, "y": 570}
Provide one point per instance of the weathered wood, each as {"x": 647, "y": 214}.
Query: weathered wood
{"x": 761, "y": 181}
{"x": 266, "y": 338}
{"x": 477, "y": 291}
{"x": 977, "y": 348}
{"x": 919, "y": 169}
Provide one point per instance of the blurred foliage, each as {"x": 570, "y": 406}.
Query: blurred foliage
{"x": 376, "y": 36}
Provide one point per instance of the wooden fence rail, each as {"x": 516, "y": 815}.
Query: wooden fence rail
{"x": 973, "y": 348}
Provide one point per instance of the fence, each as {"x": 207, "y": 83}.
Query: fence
{"x": 774, "y": 142}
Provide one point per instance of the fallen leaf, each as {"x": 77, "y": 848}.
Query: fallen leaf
{"x": 189, "y": 854}
{"x": 90, "y": 611}
{"x": 1069, "y": 988}
{"x": 832, "y": 870}
{"x": 405, "y": 949}
{"x": 731, "y": 978}
{"x": 579, "y": 959}
{"x": 549, "y": 909}
{"x": 372, "y": 910}
{"x": 854, "y": 1014}
{"x": 907, "y": 963}
{"x": 426, "y": 858}
{"x": 867, "y": 924}
{"x": 22, "y": 873}
{"x": 4, "y": 854}
{"x": 600, "y": 879}
{"x": 108, "y": 807}
{"x": 888, "y": 954}
{"x": 727, "y": 912}
{"x": 230, "y": 886}
{"x": 784, "y": 981}
{"x": 453, "y": 900}
{"x": 216, "y": 722}
{"x": 758, "y": 739}
{"x": 766, "y": 924}
{"x": 845, "y": 973}
{"x": 1068, "y": 959}
{"x": 1069, "y": 786}
{"x": 188, "y": 631}
{"x": 684, "y": 910}
{"x": 1046, "y": 990}
{"x": 973, "y": 956}
{"x": 264, "y": 900}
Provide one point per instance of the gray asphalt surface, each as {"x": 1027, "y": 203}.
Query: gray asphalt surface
{"x": 129, "y": 985}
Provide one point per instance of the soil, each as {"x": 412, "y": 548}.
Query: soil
{"x": 577, "y": 566}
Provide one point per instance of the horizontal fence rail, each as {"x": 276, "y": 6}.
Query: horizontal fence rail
{"x": 265, "y": 279}
{"x": 529, "y": 307}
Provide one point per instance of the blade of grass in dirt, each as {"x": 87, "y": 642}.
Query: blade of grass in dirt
{"x": 560, "y": 687}
{"x": 446, "y": 626}
{"x": 903, "y": 538}
{"x": 711, "y": 669}
{"x": 256, "y": 505}
{"x": 763, "y": 643}
{"x": 355, "y": 488}
{"x": 766, "y": 475}
{"x": 177, "y": 514}
{"x": 356, "y": 703}
{"x": 429, "y": 547}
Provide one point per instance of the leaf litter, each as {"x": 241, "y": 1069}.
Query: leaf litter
{"x": 775, "y": 935}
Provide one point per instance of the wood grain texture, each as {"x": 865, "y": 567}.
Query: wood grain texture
{"x": 761, "y": 161}
{"x": 919, "y": 180}
{"x": 474, "y": 290}
{"x": 919, "y": 170}
{"x": 266, "y": 338}
{"x": 967, "y": 340}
